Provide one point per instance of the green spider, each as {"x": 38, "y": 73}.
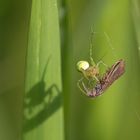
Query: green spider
{"x": 90, "y": 71}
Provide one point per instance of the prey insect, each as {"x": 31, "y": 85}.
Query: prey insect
{"x": 111, "y": 75}
{"x": 98, "y": 84}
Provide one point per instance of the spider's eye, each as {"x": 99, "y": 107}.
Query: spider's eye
{"x": 82, "y": 65}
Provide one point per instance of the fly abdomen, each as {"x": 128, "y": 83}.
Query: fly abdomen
{"x": 96, "y": 91}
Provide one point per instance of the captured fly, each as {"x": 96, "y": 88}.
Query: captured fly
{"x": 97, "y": 84}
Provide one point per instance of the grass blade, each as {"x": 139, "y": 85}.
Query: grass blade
{"x": 43, "y": 113}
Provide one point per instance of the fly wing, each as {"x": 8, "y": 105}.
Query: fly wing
{"x": 115, "y": 72}
{"x": 110, "y": 76}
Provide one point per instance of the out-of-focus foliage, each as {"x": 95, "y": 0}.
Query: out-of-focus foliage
{"x": 135, "y": 5}
{"x": 115, "y": 115}
{"x": 43, "y": 113}
{"x": 13, "y": 43}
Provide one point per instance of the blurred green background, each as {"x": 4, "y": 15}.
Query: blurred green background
{"x": 40, "y": 44}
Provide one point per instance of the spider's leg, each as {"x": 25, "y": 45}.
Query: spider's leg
{"x": 96, "y": 78}
{"x": 101, "y": 62}
{"x": 91, "y": 48}
{"x": 85, "y": 88}
{"x": 91, "y": 82}
{"x": 91, "y": 58}
{"x": 79, "y": 86}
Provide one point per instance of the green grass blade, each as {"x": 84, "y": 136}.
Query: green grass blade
{"x": 136, "y": 20}
{"x": 43, "y": 112}
{"x": 115, "y": 115}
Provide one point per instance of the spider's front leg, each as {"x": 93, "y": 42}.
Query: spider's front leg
{"x": 81, "y": 85}
{"x": 101, "y": 62}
